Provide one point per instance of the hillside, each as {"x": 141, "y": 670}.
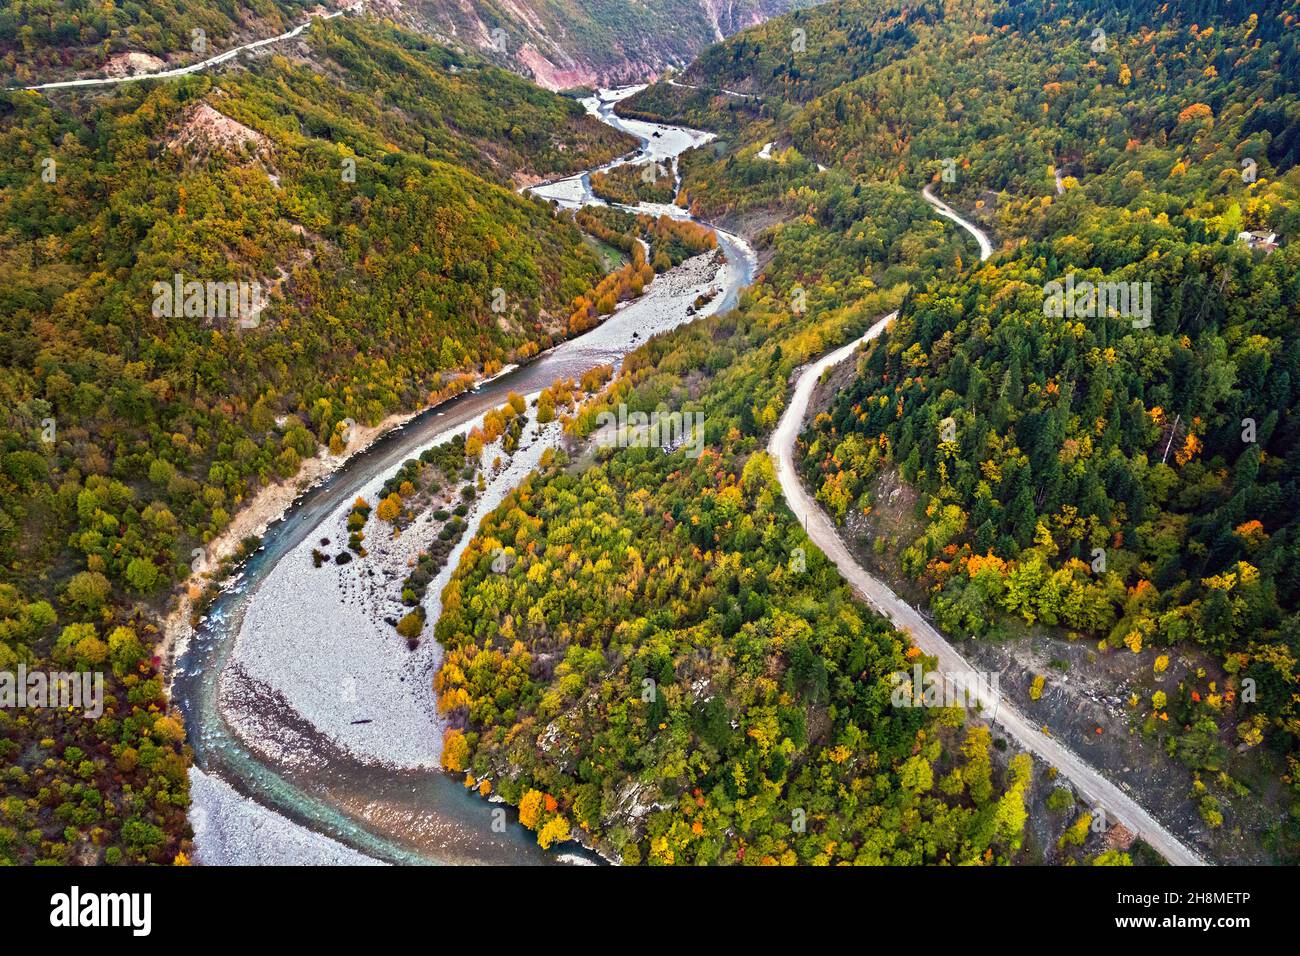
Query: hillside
{"x": 357, "y": 193}
{"x": 572, "y": 43}
{"x": 559, "y": 43}
{"x": 43, "y": 40}
{"x": 667, "y": 669}
{"x": 1120, "y": 473}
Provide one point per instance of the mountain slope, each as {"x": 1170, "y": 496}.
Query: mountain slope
{"x": 1122, "y": 473}
{"x": 45, "y": 40}
{"x": 559, "y": 43}
{"x": 569, "y": 43}
{"x": 360, "y": 188}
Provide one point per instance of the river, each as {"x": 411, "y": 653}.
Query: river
{"x": 359, "y": 809}
{"x": 390, "y": 812}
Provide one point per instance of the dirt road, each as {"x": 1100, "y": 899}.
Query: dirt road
{"x": 1088, "y": 782}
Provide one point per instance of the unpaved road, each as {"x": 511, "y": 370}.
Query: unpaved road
{"x": 941, "y": 207}
{"x": 706, "y": 89}
{"x": 193, "y": 67}
{"x": 1088, "y": 782}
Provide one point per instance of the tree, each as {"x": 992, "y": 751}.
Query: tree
{"x": 455, "y": 751}
{"x": 125, "y": 651}
{"x": 531, "y": 806}
{"x": 1077, "y": 831}
{"x": 90, "y": 651}
{"x": 389, "y": 508}
{"x": 916, "y": 774}
{"x": 88, "y": 590}
{"x": 142, "y": 575}
{"x": 545, "y": 409}
{"x": 411, "y": 624}
{"x": 1112, "y": 858}
{"x": 70, "y": 638}
{"x": 555, "y": 830}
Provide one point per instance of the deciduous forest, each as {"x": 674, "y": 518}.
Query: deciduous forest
{"x": 379, "y": 228}
{"x": 1086, "y": 442}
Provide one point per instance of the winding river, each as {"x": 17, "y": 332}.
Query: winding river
{"x": 404, "y": 814}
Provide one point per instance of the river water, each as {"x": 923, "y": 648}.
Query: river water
{"x": 411, "y": 814}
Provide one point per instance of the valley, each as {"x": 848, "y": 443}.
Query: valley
{"x": 337, "y": 345}
{"x": 558, "y": 45}
{"x": 288, "y": 737}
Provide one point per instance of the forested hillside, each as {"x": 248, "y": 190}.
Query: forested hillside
{"x": 1124, "y": 474}
{"x": 570, "y": 43}
{"x": 44, "y": 40}
{"x": 667, "y": 669}
{"x": 367, "y": 189}
{"x": 559, "y": 43}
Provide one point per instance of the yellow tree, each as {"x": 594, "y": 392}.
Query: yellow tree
{"x": 455, "y": 751}
{"x": 556, "y": 830}
{"x": 530, "y": 809}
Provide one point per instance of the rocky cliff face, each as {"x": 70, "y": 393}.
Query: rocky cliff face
{"x": 568, "y": 43}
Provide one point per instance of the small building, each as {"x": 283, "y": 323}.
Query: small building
{"x": 1259, "y": 240}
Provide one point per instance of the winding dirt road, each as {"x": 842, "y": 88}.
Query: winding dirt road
{"x": 193, "y": 67}
{"x": 1089, "y": 783}
{"x": 943, "y": 209}
{"x": 708, "y": 89}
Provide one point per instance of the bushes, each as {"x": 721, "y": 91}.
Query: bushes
{"x": 411, "y": 625}
{"x": 142, "y": 575}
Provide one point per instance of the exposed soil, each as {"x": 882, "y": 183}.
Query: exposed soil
{"x": 205, "y": 131}
{"x": 1086, "y": 698}
{"x": 133, "y": 63}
